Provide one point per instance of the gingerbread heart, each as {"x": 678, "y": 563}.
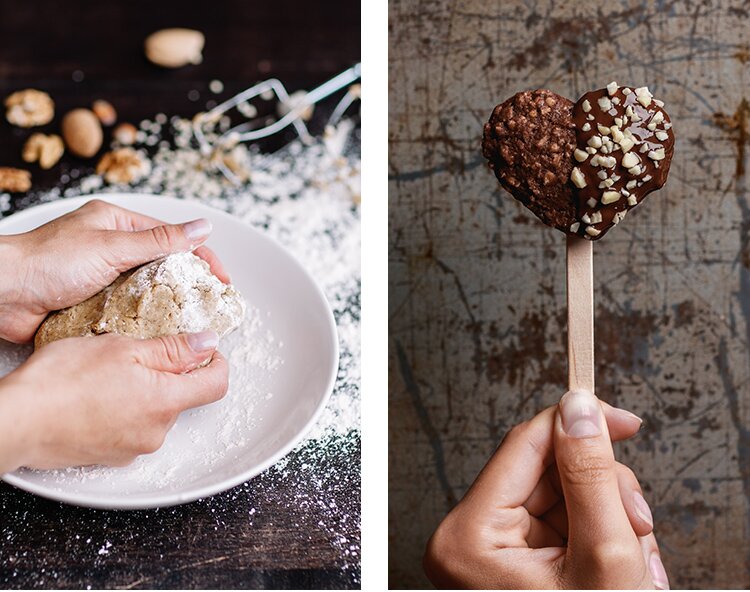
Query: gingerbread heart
{"x": 580, "y": 168}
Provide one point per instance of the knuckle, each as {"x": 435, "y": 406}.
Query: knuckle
{"x": 152, "y": 442}
{"x": 615, "y": 555}
{"x": 171, "y": 350}
{"x": 164, "y": 237}
{"x": 590, "y": 467}
{"x": 517, "y": 432}
{"x": 440, "y": 552}
{"x": 94, "y": 205}
{"x": 627, "y": 473}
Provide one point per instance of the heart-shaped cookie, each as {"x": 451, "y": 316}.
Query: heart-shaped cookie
{"x": 580, "y": 168}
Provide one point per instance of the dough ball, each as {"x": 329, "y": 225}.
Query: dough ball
{"x": 176, "y": 294}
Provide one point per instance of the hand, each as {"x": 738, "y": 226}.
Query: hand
{"x": 66, "y": 261}
{"x": 105, "y": 399}
{"x": 552, "y": 509}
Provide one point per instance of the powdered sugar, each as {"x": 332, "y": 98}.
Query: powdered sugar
{"x": 214, "y": 433}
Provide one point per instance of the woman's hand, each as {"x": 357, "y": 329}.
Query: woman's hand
{"x": 73, "y": 257}
{"x": 103, "y": 400}
{"x": 552, "y": 509}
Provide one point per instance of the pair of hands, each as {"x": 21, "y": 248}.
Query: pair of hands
{"x": 105, "y": 399}
{"x": 553, "y": 509}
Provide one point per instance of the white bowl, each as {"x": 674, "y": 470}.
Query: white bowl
{"x": 283, "y": 368}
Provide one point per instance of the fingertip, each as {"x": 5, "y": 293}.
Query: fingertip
{"x": 214, "y": 263}
{"x": 203, "y": 341}
{"x": 580, "y": 414}
{"x": 622, "y": 424}
{"x": 197, "y": 230}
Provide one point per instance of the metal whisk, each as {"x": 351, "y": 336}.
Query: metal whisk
{"x": 247, "y": 132}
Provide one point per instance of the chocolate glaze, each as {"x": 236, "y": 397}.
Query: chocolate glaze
{"x": 603, "y": 108}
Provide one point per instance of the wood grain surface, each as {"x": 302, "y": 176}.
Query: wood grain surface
{"x": 477, "y": 284}
{"x": 285, "y": 528}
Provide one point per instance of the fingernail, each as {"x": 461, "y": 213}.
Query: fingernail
{"x": 658, "y": 573}
{"x": 628, "y": 414}
{"x": 581, "y": 414}
{"x": 203, "y": 341}
{"x": 642, "y": 509}
{"x": 197, "y": 229}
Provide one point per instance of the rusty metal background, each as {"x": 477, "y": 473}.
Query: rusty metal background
{"x": 477, "y": 292}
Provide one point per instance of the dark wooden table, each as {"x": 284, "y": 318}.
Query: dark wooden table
{"x": 278, "y": 530}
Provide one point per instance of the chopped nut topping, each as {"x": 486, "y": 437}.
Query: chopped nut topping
{"x": 580, "y": 155}
{"x": 595, "y": 141}
{"x": 657, "y": 154}
{"x": 609, "y": 197}
{"x": 626, "y": 144}
{"x": 604, "y": 103}
{"x": 661, "y": 136}
{"x": 586, "y": 127}
{"x": 630, "y": 160}
{"x": 635, "y": 171}
{"x": 586, "y": 106}
{"x": 577, "y": 177}
{"x": 590, "y": 230}
{"x": 575, "y": 226}
{"x": 603, "y": 130}
{"x": 612, "y": 88}
{"x": 632, "y": 201}
{"x": 643, "y": 96}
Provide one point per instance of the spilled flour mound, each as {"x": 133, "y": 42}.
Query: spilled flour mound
{"x": 176, "y": 294}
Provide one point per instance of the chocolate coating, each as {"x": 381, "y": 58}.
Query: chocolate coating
{"x": 628, "y": 142}
{"x": 529, "y": 142}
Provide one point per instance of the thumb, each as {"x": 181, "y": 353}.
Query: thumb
{"x": 129, "y": 249}
{"x": 600, "y": 538}
{"x": 176, "y": 353}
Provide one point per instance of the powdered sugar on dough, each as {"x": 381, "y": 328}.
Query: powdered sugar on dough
{"x": 254, "y": 356}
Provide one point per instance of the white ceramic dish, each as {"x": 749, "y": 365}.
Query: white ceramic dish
{"x": 216, "y": 447}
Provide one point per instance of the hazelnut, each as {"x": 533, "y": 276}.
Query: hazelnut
{"x": 125, "y": 134}
{"x": 174, "y": 48}
{"x": 105, "y": 112}
{"x": 82, "y": 132}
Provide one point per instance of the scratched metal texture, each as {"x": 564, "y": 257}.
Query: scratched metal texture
{"x": 477, "y": 284}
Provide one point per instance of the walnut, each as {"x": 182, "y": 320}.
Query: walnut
{"x": 123, "y": 165}
{"x": 27, "y": 108}
{"x": 14, "y": 180}
{"x": 46, "y": 149}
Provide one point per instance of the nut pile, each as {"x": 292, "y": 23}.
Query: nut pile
{"x": 624, "y": 147}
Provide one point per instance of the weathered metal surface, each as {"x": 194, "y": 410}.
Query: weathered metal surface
{"x": 477, "y": 292}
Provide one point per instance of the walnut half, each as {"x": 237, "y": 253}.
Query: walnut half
{"x": 123, "y": 165}
{"x": 46, "y": 149}
{"x": 29, "y": 107}
{"x": 14, "y": 180}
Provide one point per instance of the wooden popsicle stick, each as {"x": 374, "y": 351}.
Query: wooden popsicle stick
{"x": 580, "y": 259}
